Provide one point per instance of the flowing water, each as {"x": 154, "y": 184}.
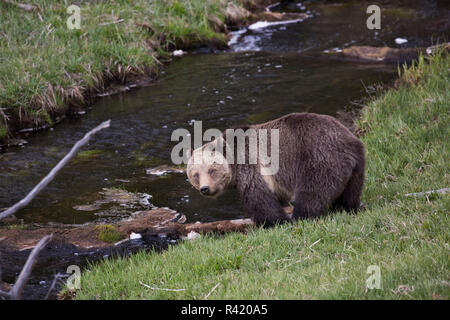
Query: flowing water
{"x": 268, "y": 72}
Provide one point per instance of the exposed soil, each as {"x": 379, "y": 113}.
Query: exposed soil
{"x": 87, "y": 236}
{"x": 80, "y": 245}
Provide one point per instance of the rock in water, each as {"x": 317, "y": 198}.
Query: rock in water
{"x": 400, "y": 41}
{"x": 384, "y": 54}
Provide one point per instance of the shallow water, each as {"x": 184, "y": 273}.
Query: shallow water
{"x": 338, "y": 24}
{"x": 286, "y": 70}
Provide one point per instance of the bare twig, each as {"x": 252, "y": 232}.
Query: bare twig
{"x": 5, "y": 294}
{"x": 1, "y": 271}
{"x": 212, "y": 290}
{"x": 26, "y": 7}
{"x": 17, "y": 289}
{"x": 223, "y": 226}
{"x": 421, "y": 194}
{"x": 41, "y": 185}
{"x": 315, "y": 242}
{"x": 55, "y": 279}
{"x": 2, "y": 293}
{"x": 111, "y": 22}
{"x": 154, "y": 288}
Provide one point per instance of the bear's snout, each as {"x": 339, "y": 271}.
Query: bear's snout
{"x": 204, "y": 190}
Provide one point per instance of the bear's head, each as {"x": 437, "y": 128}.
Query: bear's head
{"x": 208, "y": 170}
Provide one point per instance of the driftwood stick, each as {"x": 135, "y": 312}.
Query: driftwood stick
{"x": 223, "y": 226}
{"x": 164, "y": 289}
{"x": 44, "y": 182}
{"x": 2, "y": 293}
{"x": 23, "y": 6}
{"x": 211, "y": 291}
{"x": 1, "y": 282}
{"x": 424, "y": 193}
{"x": 111, "y": 22}
{"x": 55, "y": 279}
{"x": 16, "y": 291}
{"x": 5, "y": 294}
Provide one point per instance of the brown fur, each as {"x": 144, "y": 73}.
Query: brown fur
{"x": 321, "y": 165}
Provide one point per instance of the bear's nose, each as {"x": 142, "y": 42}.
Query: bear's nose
{"x": 204, "y": 190}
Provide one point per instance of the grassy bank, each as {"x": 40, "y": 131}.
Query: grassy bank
{"x": 406, "y": 135}
{"x": 48, "y": 70}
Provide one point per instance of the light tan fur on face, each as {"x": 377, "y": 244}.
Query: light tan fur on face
{"x": 205, "y": 168}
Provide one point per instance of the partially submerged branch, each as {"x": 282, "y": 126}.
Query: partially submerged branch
{"x": 41, "y": 185}
{"x": 221, "y": 227}
{"x": 16, "y": 291}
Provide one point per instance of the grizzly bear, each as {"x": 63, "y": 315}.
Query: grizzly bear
{"x": 321, "y": 165}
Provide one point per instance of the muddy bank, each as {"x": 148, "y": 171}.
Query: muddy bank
{"x": 77, "y": 246}
{"x": 161, "y": 222}
{"x": 148, "y": 230}
{"x": 88, "y": 235}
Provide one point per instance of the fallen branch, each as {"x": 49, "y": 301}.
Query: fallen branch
{"x": 221, "y": 227}
{"x": 212, "y": 290}
{"x": 55, "y": 279}
{"x": 44, "y": 182}
{"x": 16, "y": 292}
{"x": 111, "y": 22}
{"x": 4, "y": 294}
{"x": 315, "y": 242}
{"x": 154, "y": 288}
{"x": 421, "y": 194}
{"x": 26, "y": 7}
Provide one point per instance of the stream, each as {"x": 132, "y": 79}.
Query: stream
{"x": 270, "y": 70}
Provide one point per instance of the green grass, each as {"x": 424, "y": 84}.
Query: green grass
{"x": 406, "y": 135}
{"x": 108, "y": 233}
{"x": 88, "y": 154}
{"x": 20, "y": 226}
{"x": 47, "y": 70}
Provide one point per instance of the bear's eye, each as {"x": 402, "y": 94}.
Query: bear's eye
{"x": 211, "y": 171}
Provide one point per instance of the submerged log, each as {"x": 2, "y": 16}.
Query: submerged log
{"x": 156, "y": 222}
{"x": 221, "y": 227}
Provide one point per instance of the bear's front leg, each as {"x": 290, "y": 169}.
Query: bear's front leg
{"x": 262, "y": 205}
